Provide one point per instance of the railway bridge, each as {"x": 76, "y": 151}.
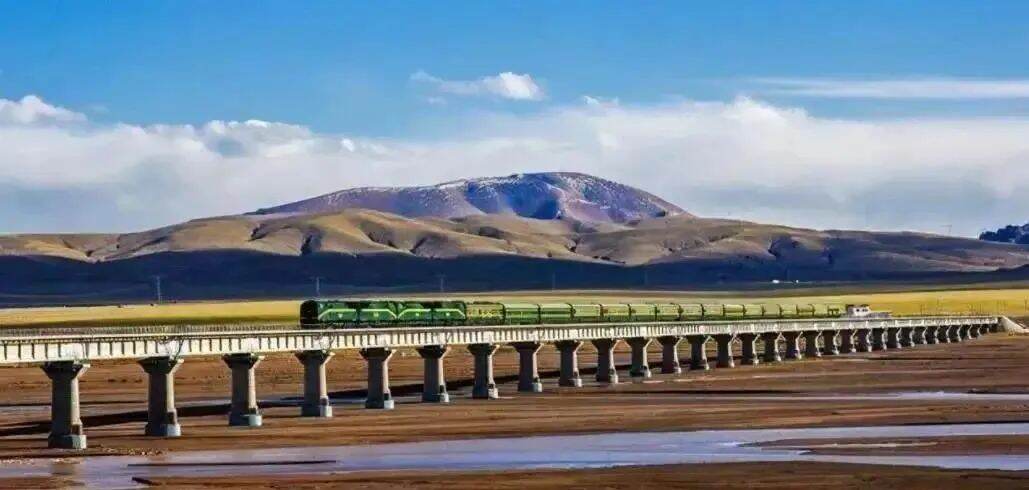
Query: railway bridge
{"x": 66, "y": 355}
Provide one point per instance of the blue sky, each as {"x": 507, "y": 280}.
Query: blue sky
{"x": 417, "y": 85}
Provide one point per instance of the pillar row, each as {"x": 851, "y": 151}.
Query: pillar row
{"x": 569, "y": 372}
{"x": 162, "y": 419}
{"x": 670, "y": 354}
{"x": 316, "y": 390}
{"x": 243, "y": 410}
{"x": 65, "y": 422}
{"x": 748, "y": 349}
{"x": 528, "y": 367}
{"x": 484, "y": 386}
{"x": 771, "y": 341}
{"x": 698, "y": 352}
{"x": 434, "y": 385}
{"x": 606, "y": 371}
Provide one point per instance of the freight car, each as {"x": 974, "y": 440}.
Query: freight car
{"x": 371, "y": 313}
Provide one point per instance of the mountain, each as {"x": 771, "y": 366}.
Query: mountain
{"x": 608, "y": 236}
{"x": 554, "y": 195}
{"x": 1008, "y": 234}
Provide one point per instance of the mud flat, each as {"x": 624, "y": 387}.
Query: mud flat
{"x": 888, "y": 388}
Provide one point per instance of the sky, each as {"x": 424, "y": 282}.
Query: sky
{"x": 123, "y": 116}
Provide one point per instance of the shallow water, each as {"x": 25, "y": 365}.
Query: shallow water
{"x": 572, "y": 451}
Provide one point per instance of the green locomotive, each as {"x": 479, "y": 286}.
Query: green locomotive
{"x": 385, "y": 313}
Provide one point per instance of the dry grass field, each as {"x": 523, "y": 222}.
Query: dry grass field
{"x": 1008, "y": 301}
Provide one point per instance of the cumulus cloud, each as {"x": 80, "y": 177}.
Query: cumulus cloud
{"x": 31, "y": 110}
{"x": 742, "y": 158}
{"x": 922, "y": 88}
{"x": 506, "y": 85}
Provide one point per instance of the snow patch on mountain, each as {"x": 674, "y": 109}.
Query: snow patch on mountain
{"x": 553, "y": 195}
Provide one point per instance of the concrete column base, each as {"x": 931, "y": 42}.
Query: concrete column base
{"x": 811, "y": 344}
{"x": 893, "y": 338}
{"x": 771, "y": 352}
{"x": 484, "y": 387}
{"x": 670, "y": 354}
{"x": 606, "y": 371}
{"x": 321, "y": 410}
{"x": 568, "y": 375}
{"x": 639, "y": 369}
{"x": 528, "y": 367}
{"x": 66, "y": 441}
{"x": 162, "y": 418}
{"x": 792, "y": 346}
{"x": 748, "y": 349}
{"x": 379, "y": 396}
{"x": 847, "y": 342}
{"x": 316, "y": 392}
{"x": 245, "y": 420}
{"x": 698, "y": 352}
{"x": 243, "y": 410}
{"x": 879, "y": 339}
{"x": 434, "y": 386}
{"x": 724, "y": 343}
{"x": 829, "y": 347}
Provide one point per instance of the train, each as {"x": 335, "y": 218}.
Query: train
{"x": 387, "y": 312}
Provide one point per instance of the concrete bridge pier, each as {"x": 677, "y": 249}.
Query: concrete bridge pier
{"x": 316, "y": 391}
{"x": 847, "y": 342}
{"x": 528, "y": 367}
{"x": 65, "y": 423}
{"x": 964, "y": 332}
{"x": 484, "y": 387}
{"x": 932, "y": 335}
{"x": 243, "y": 408}
{"x": 606, "y": 370}
{"x": 748, "y": 349}
{"x": 379, "y": 396}
{"x": 974, "y": 331}
{"x": 954, "y": 333}
{"x": 698, "y": 352}
{"x": 893, "y": 338}
{"x": 569, "y": 373}
{"x": 639, "y": 369}
{"x": 434, "y": 384}
{"x": 670, "y": 354}
{"x": 811, "y": 344}
{"x": 907, "y": 337}
{"x": 864, "y": 340}
{"x": 943, "y": 334}
{"x": 771, "y": 341}
{"x": 829, "y": 347}
{"x": 879, "y": 339}
{"x": 162, "y": 419}
{"x": 918, "y": 336}
{"x": 724, "y": 344}
{"x": 792, "y": 345}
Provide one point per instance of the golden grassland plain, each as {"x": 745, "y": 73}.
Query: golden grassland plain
{"x": 1004, "y": 300}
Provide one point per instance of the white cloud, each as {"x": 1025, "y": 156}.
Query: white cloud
{"x": 506, "y": 85}
{"x": 32, "y": 110}
{"x": 917, "y": 88}
{"x": 744, "y": 157}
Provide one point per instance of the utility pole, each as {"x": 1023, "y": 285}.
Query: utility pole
{"x": 442, "y": 282}
{"x": 949, "y": 228}
{"x": 317, "y": 287}
{"x": 157, "y": 288}
{"x": 553, "y": 281}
